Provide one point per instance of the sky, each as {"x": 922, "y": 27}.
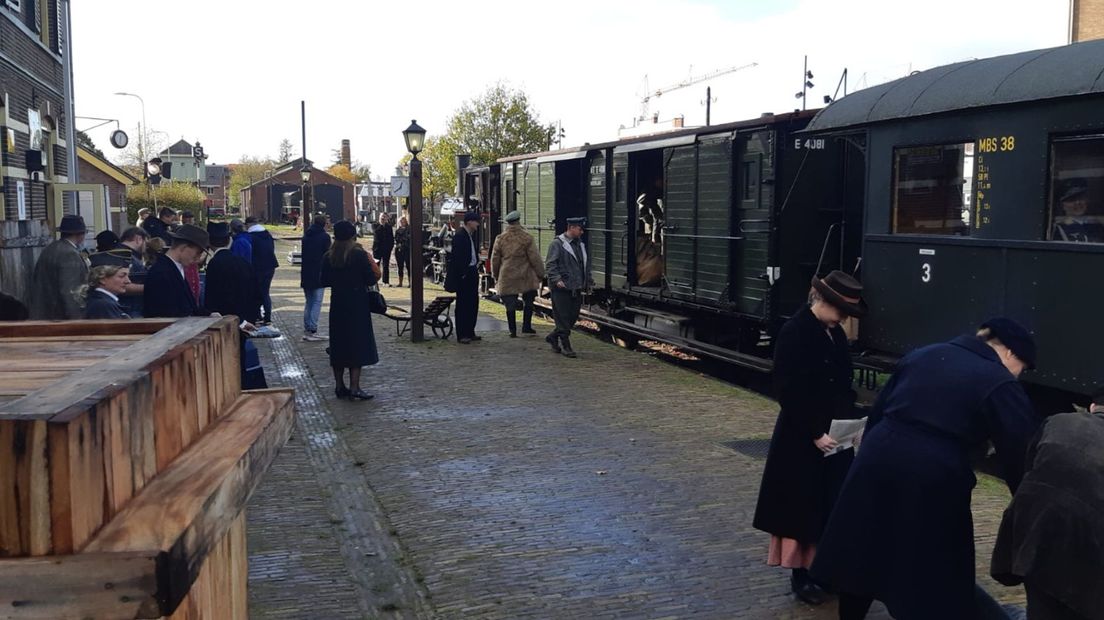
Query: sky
{"x": 231, "y": 73}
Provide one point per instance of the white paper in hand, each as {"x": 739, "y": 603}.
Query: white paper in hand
{"x": 845, "y": 432}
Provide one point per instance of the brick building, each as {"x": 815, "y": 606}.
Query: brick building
{"x": 277, "y": 195}
{"x": 216, "y": 189}
{"x": 96, "y": 169}
{"x": 1086, "y": 20}
{"x": 34, "y": 127}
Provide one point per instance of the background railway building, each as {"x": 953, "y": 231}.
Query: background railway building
{"x": 272, "y": 197}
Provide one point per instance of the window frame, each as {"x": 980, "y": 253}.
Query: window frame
{"x": 971, "y": 220}
{"x": 1051, "y": 199}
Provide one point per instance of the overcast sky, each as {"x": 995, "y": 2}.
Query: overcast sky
{"x": 231, "y": 73}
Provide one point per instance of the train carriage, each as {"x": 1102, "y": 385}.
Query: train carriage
{"x": 973, "y": 174}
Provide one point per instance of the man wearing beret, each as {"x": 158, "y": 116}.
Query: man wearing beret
{"x": 463, "y": 277}
{"x": 902, "y": 531}
{"x": 61, "y": 269}
{"x": 568, "y": 268}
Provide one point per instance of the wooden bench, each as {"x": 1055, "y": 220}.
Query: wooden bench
{"x": 435, "y": 316}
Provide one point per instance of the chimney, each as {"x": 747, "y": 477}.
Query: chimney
{"x": 346, "y": 154}
{"x": 679, "y": 121}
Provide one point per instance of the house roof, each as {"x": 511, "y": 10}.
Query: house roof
{"x": 105, "y": 166}
{"x": 296, "y": 164}
{"x": 182, "y": 147}
{"x": 1065, "y": 71}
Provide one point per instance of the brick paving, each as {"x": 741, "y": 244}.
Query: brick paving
{"x": 506, "y": 482}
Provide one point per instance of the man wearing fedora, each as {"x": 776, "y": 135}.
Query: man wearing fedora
{"x": 463, "y": 277}
{"x": 61, "y": 269}
{"x": 568, "y": 269}
{"x": 167, "y": 293}
{"x": 901, "y": 531}
{"x": 812, "y": 378}
{"x": 232, "y": 289}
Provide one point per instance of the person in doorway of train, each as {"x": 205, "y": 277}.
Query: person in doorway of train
{"x": 462, "y": 277}
{"x": 1052, "y": 536}
{"x": 108, "y": 278}
{"x": 902, "y": 530}
{"x": 812, "y": 377}
{"x": 568, "y": 269}
{"x": 650, "y": 208}
{"x": 1075, "y": 225}
{"x": 518, "y": 270}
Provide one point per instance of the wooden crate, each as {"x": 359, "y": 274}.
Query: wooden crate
{"x": 127, "y": 454}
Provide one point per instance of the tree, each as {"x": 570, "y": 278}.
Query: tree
{"x": 85, "y": 141}
{"x": 362, "y": 172}
{"x": 286, "y": 152}
{"x": 342, "y": 172}
{"x": 179, "y": 196}
{"x": 438, "y": 168}
{"x": 247, "y": 171}
{"x": 134, "y": 157}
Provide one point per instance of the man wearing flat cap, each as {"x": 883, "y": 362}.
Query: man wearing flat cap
{"x": 518, "y": 270}
{"x": 901, "y": 531}
{"x": 1074, "y": 224}
{"x": 463, "y": 277}
{"x": 61, "y": 269}
{"x": 568, "y": 268}
{"x": 167, "y": 293}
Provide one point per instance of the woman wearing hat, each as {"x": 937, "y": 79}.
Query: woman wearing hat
{"x": 107, "y": 280}
{"x": 518, "y": 269}
{"x": 402, "y": 248}
{"x": 347, "y": 270}
{"x": 902, "y": 530}
{"x": 812, "y": 376}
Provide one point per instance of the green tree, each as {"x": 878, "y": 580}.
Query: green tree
{"x": 438, "y": 159}
{"x": 247, "y": 171}
{"x": 85, "y": 140}
{"x": 179, "y": 196}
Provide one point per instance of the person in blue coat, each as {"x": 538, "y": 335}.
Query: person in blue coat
{"x": 264, "y": 263}
{"x": 902, "y": 531}
{"x": 167, "y": 293}
{"x": 315, "y": 244}
{"x": 242, "y": 246}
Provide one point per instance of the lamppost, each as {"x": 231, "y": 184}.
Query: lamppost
{"x": 142, "y": 131}
{"x": 305, "y": 213}
{"x": 415, "y": 141}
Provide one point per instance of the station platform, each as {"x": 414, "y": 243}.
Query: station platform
{"x": 499, "y": 480}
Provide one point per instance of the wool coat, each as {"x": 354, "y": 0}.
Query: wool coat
{"x": 902, "y": 530}
{"x": 1052, "y": 534}
{"x": 561, "y": 264}
{"x": 460, "y": 270}
{"x": 167, "y": 294}
{"x": 264, "y": 250}
{"x": 61, "y": 269}
{"x": 232, "y": 288}
{"x": 316, "y": 242}
{"x": 515, "y": 262}
{"x": 383, "y": 238}
{"x": 102, "y": 306}
{"x": 352, "y": 340}
{"x": 812, "y": 377}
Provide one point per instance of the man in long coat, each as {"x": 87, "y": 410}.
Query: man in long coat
{"x": 902, "y": 531}
{"x": 518, "y": 270}
{"x": 60, "y": 270}
{"x": 568, "y": 268}
{"x": 1052, "y": 536}
{"x": 167, "y": 293}
{"x": 462, "y": 277}
{"x": 232, "y": 290}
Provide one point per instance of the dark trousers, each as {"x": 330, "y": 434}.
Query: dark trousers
{"x": 854, "y": 607}
{"x": 511, "y": 303}
{"x": 565, "y": 311}
{"x": 402, "y": 259}
{"x": 467, "y": 304}
{"x": 1045, "y": 607}
{"x": 383, "y": 257}
{"x": 264, "y": 283}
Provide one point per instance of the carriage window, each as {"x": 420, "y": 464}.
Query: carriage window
{"x": 1077, "y": 190}
{"x": 933, "y": 189}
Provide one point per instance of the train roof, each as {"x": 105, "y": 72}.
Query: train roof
{"x": 1066, "y": 71}
{"x": 667, "y": 138}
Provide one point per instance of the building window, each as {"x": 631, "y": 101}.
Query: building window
{"x": 933, "y": 189}
{"x": 15, "y": 5}
{"x": 1076, "y": 213}
{"x": 210, "y": 191}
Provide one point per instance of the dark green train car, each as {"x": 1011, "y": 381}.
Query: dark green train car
{"x": 985, "y": 196}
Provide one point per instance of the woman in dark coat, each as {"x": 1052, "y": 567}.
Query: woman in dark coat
{"x": 402, "y": 248}
{"x": 812, "y": 374}
{"x": 383, "y": 242}
{"x": 347, "y": 270}
{"x": 902, "y": 530}
{"x": 107, "y": 280}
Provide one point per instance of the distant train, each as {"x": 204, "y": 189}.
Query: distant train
{"x": 956, "y": 193}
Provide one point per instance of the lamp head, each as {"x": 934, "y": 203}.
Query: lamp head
{"x": 305, "y": 174}
{"x": 415, "y": 138}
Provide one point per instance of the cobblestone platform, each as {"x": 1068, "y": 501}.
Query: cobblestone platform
{"x": 497, "y": 480}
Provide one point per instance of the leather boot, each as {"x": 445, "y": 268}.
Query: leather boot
{"x": 553, "y": 340}
{"x": 527, "y": 320}
{"x": 511, "y": 322}
{"x": 567, "y": 347}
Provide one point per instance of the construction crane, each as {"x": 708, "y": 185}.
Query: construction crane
{"x": 690, "y": 81}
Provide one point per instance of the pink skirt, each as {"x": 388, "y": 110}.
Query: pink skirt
{"x": 788, "y": 553}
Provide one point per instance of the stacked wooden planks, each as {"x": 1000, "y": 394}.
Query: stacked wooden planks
{"x": 127, "y": 454}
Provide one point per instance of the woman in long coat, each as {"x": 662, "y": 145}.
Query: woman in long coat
{"x": 518, "y": 269}
{"x": 347, "y": 270}
{"x": 812, "y": 374}
{"x": 902, "y": 530}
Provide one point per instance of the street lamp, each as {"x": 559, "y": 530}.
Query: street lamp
{"x": 141, "y": 132}
{"x": 415, "y": 142}
{"x": 304, "y": 208}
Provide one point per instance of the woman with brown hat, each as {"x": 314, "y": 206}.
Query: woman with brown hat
{"x": 812, "y": 376}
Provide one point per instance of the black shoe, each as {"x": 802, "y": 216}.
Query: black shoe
{"x": 513, "y": 334}
{"x": 476, "y": 338}
{"x": 360, "y": 395}
{"x": 528, "y": 330}
{"x": 342, "y": 392}
{"x": 464, "y": 340}
{"x": 569, "y": 353}
{"x": 808, "y": 591}
{"x": 552, "y": 340}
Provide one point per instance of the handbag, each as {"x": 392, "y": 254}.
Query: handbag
{"x": 376, "y": 303}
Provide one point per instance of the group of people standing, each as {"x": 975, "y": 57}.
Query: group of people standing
{"x": 386, "y": 238}
{"x": 893, "y": 522}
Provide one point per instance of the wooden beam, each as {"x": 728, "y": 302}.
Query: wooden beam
{"x": 77, "y": 586}
{"x": 57, "y": 329}
{"x": 189, "y": 507}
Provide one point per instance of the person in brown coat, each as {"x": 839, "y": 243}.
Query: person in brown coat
{"x": 517, "y": 268}
{"x": 61, "y": 269}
